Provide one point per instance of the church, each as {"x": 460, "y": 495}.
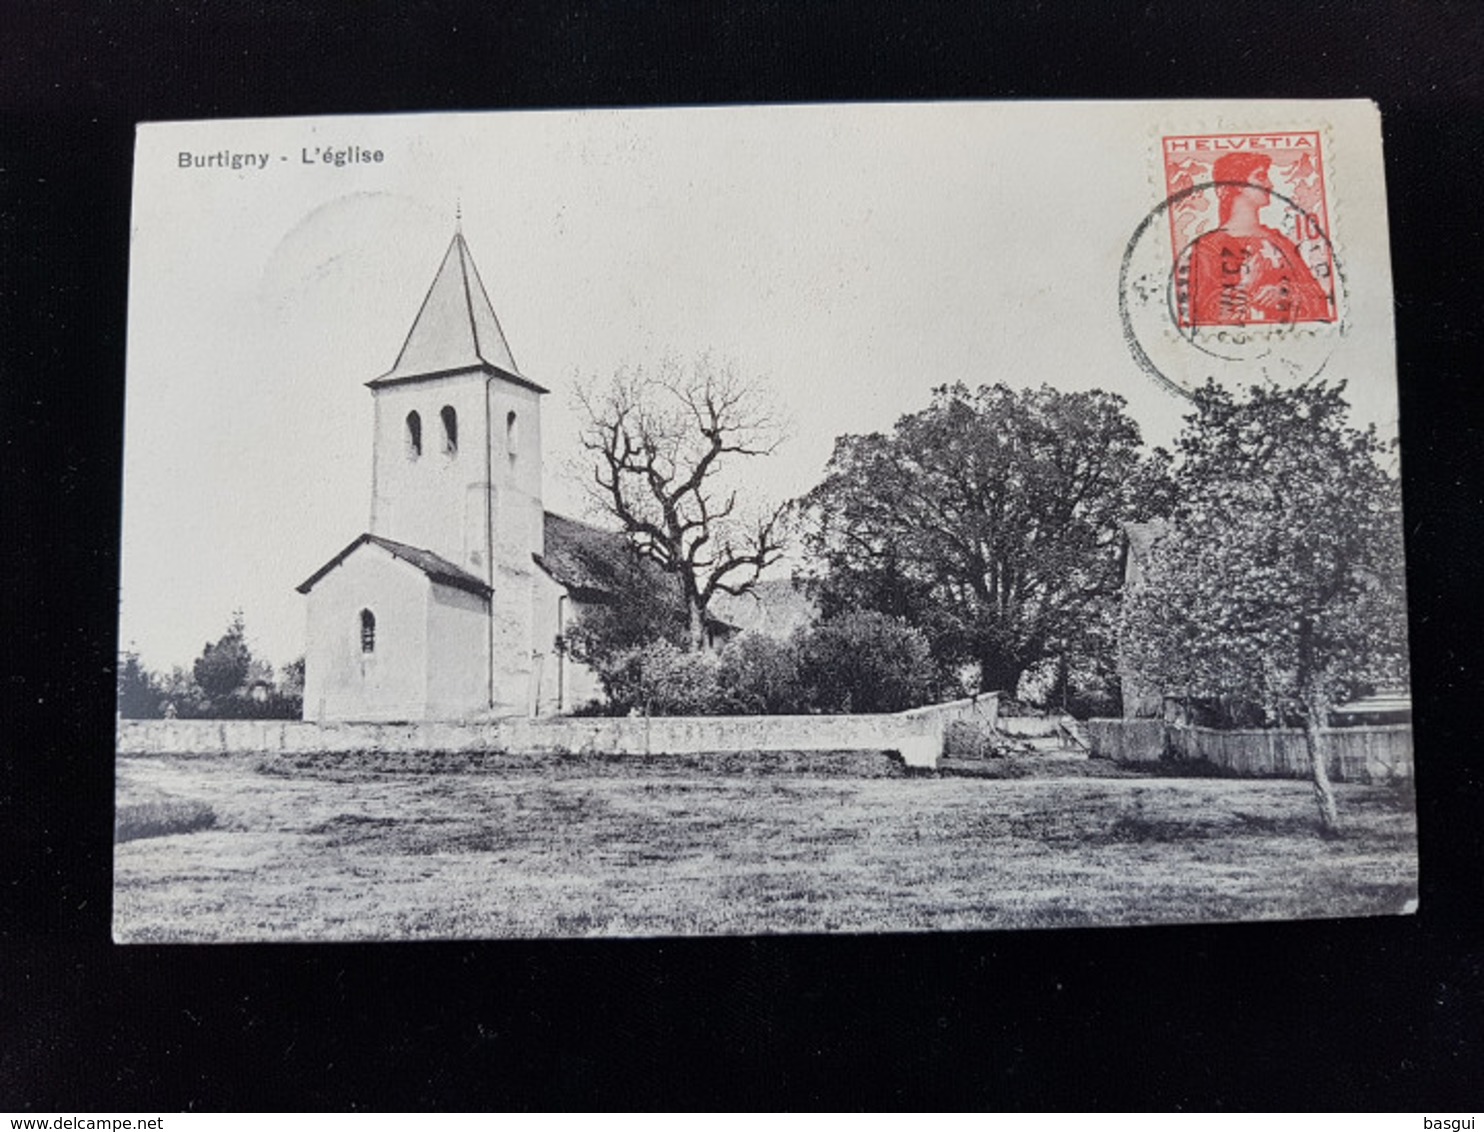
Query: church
{"x": 453, "y": 603}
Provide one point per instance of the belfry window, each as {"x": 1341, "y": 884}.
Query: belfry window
{"x": 368, "y": 631}
{"x": 512, "y": 434}
{"x": 450, "y": 430}
{"x": 414, "y": 435}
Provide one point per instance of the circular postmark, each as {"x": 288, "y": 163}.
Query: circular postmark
{"x": 1234, "y": 305}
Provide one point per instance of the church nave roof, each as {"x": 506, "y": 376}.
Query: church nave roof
{"x": 438, "y": 569}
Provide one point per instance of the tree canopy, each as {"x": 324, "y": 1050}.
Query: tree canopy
{"x": 222, "y": 668}
{"x": 992, "y": 519}
{"x": 225, "y": 682}
{"x": 665, "y": 445}
{"x": 139, "y": 692}
{"x": 644, "y": 605}
{"x": 1279, "y": 577}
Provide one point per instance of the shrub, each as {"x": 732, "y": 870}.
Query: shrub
{"x": 759, "y": 675}
{"x": 867, "y": 662}
{"x": 964, "y": 740}
{"x": 663, "y": 679}
{"x": 595, "y": 708}
{"x": 273, "y": 704}
{"x": 161, "y": 818}
{"x": 858, "y": 662}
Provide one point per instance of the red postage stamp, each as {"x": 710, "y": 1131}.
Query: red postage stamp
{"x": 1249, "y": 229}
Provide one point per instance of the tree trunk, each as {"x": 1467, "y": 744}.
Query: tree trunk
{"x": 1316, "y": 715}
{"x": 697, "y": 625}
{"x": 1324, "y": 794}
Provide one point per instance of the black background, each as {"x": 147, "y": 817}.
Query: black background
{"x": 1351, "y": 1014}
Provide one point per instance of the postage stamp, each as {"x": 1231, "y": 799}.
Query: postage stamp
{"x": 1249, "y": 229}
{"x": 1234, "y": 275}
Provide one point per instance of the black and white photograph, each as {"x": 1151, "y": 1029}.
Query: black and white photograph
{"x": 747, "y": 520}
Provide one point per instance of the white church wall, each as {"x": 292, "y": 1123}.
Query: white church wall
{"x": 458, "y": 661}
{"x": 433, "y": 500}
{"x": 341, "y": 680}
{"x": 517, "y": 524}
{"x": 517, "y": 514}
{"x": 563, "y": 683}
{"x": 582, "y": 686}
{"x": 514, "y": 645}
{"x": 548, "y": 674}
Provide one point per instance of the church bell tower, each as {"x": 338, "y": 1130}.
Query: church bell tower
{"x": 430, "y": 613}
{"x": 457, "y": 446}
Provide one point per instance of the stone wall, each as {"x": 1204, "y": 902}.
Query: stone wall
{"x": 1354, "y": 754}
{"x": 917, "y": 734}
{"x": 1127, "y": 740}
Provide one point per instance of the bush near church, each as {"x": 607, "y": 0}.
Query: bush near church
{"x": 867, "y": 662}
{"x": 860, "y": 662}
{"x": 662, "y": 679}
{"x": 759, "y": 675}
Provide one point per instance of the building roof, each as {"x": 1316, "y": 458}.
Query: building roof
{"x": 437, "y": 569}
{"x": 593, "y": 564}
{"x": 775, "y": 607}
{"x": 1385, "y": 702}
{"x": 582, "y": 557}
{"x": 456, "y": 329}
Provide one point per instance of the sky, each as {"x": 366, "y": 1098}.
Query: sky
{"x": 846, "y": 258}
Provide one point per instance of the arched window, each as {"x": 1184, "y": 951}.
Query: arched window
{"x": 414, "y": 435}
{"x": 450, "y": 430}
{"x": 512, "y": 434}
{"x": 368, "y": 631}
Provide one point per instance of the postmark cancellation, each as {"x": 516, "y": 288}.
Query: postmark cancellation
{"x": 1234, "y": 276}
{"x": 1249, "y": 229}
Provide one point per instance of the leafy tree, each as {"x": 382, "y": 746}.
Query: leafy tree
{"x": 287, "y": 698}
{"x": 138, "y": 689}
{"x": 1279, "y": 579}
{"x": 223, "y": 668}
{"x": 181, "y": 694}
{"x": 1084, "y": 685}
{"x": 866, "y": 661}
{"x": 641, "y": 605}
{"x": 665, "y": 445}
{"x": 991, "y": 519}
{"x": 291, "y": 680}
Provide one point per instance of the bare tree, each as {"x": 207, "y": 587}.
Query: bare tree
{"x": 666, "y": 445}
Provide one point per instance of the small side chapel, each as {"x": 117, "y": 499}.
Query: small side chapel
{"x": 449, "y": 606}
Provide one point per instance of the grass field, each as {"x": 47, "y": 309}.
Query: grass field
{"x": 413, "y": 847}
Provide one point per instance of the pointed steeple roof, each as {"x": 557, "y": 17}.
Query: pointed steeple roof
{"x": 456, "y": 328}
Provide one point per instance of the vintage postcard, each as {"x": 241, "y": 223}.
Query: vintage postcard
{"x": 860, "y": 518}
